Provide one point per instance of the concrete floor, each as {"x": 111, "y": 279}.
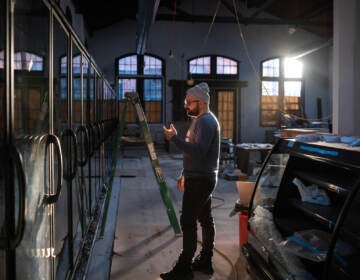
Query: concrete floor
{"x": 139, "y": 242}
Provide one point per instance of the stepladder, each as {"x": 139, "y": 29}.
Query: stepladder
{"x": 132, "y": 98}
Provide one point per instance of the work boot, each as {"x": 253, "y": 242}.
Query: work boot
{"x": 203, "y": 263}
{"x": 181, "y": 271}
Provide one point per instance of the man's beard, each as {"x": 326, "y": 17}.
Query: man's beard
{"x": 193, "y": 113}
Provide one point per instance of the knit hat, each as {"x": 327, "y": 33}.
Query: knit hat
{"x": 200, "y": 91}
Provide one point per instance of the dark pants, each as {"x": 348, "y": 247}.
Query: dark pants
{"x": 196, "y": 206}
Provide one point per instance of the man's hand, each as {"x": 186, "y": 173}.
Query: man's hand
{"x": 169, "y": 132}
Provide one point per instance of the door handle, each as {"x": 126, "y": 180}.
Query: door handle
{"x": 102, "y": 131}
{"x": 99, "y": 135}
{"x": 83, "y": 150}
{"x": 91, "y": 140}
{"x": 12, "y": 154}
{"x": 71, "y": 150}
{"x": 18, "y": 163}
{"x": 53, "y": 139}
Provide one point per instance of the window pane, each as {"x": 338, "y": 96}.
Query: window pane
{"x": 63, "y": 88}
{"x": 269, "y": 110}
{"x": 270, "y": 88}
{"x": 85, "y": 65}
{"x": 76, "y": 88}
{"x": 33, "y": 62}
{"x": 291, "y": 105}
{"x": 226, "y": 113}
{"x": 1, "y": 59}
{"x": 200, "y": 65}
{"x": 17, "y": 61}
{"x": 152, "y": 89}
{"x": 152, "y": 98}
{"x": 153, "y": 66}
{"x": 27, "y": 61}
{"x": 92, "y": 91}
{"x": 128, "y": 65}
{"x": 126, "y": 85}
{"x": 271, "y": 68}
{"x": 63, "y": 65}
{"x": 153, "y": 111}
{"x": 269, "y": 118}
{"x": 293, "y": 68}
{"x": 226, "y": 66}
{"x": 292, "y": 88}
{"x": 76, "y": 64}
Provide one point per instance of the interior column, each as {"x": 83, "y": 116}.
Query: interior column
{"x": 346, "y": 68}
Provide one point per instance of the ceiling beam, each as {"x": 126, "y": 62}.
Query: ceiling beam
{"x": 263, "y": 7}
{"x": 243, "y": 20}
{"x": 145, "y": 17}
{"x": 317, "y": 9}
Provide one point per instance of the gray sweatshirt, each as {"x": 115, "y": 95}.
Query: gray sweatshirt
{"x": 201, "y": 147}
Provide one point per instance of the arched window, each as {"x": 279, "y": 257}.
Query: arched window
{"x": 281, "y": 90}
{"x": 200, "y": 65}
{"x": 143, "y": 74}
{"x": 213, "y": 65}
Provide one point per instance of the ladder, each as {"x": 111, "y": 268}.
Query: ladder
{"x": 133, "y": 98}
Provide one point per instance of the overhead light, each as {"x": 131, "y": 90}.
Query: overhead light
{"x": 190, "y": 81}
{"x": 171, "y": 55}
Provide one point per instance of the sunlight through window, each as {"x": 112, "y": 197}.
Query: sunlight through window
{"x": 293, "y": 68}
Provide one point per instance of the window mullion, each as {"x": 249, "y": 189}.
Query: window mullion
{"x": 281, "y": 90}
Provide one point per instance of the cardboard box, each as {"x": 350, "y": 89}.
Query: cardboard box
{"x": 245, "y": 190}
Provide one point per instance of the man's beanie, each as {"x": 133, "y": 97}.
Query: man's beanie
{"x": 200, "y": 91}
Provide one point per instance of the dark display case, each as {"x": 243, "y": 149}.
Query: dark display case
{"x": 303, "y": 215}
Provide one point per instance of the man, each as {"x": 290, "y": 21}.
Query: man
{"x": 201, "y": 149}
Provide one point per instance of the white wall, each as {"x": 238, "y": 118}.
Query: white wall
{"x": 186, "y": 40}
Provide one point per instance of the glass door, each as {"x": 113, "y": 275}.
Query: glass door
{"x": 12, "y": 181}
{"x": 63, "y": 251}
{"x": 2, "y": 134}
{"x": 32, "y": 132}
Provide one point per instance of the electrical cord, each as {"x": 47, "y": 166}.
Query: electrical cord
{"x": 234, "y": 270}
{"x": 229, "y": 261}
{"x": 220, "y": 204}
